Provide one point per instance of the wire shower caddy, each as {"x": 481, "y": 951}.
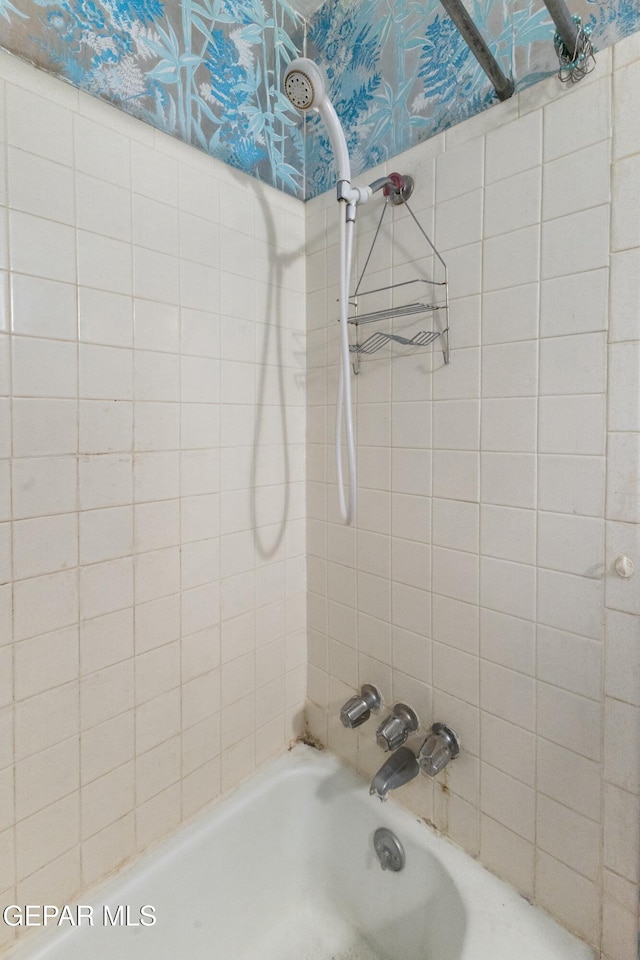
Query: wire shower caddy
{"x": 437, "y": 304}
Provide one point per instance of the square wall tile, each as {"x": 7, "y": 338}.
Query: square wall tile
{"x": 565, "y": 121}
{"x": 507, "y": 854}
{"x": 624, "y": 295}
{"x": 105, "y": 587}
{"x": 507, "y": 695}
{"x": 508, "y": 479}
{"x": 510, "y": 369}
{"x": 520, "y": 249}
{"x": 509, "y": 426}
{"x": 621, "y": 734}
{"x": 456, "y": 425}
{"x": 570, "y": 603}
{"x": 42, "y": 248}
{"x": 625, "y": 231}
{"x": 509, "y": 801}
{"x": 104, "y": 263}
{"x": 573, "y": 898}
{"x": 459, "y": 221}
{"x": 154, "y": 174}
{"x": 508, "y": 534}
{"x": 574, "y": 364}
{"x": 510, "y": 314}
{"x": 621, "y": 832}
{"x": 44, "y": 427}
{"x": 625, "y": 137}
{"x": 45, "y": 603}
{"x": 624, "y": 386}
{"x": 44, "y": 486}
{"x": 100, "y": 151}
{"x": 575, "y": 303}
{"x": 103, "y": 207}
{"x": 44, "y": 720}
{"x": 571, "y": 485}
{"x": 460, "y": 171}
{"x": 576, "y": 242}
{"x": 157, "y": 326}
{"x": 564, "y": 178}
{"x": 5, "y": 364}
{"x": 622, "y": 672}
{"x": 43, "y": 308}
{"x": 44, "y": 368}
{"x": 40, "y": 187}
{"x": 573, "y": 780}
{"x": 38, "y": 125}
{"x": 515, "y": 147}
{"x": 47, "y": 777}
{"x": 45, "y": 835}
{"x": 44, "y": 545}
{"x": 509, "y": 748}
{"x": 569, "y": 661}
{"x": 512, "y": 203}
{"x": 106, "y": 373}
{"x": 105, "y": 426}
{"x": 456, "y": 525}
{"x": 572, "y": 425}
{"x": 455, "y": 574}
{"x": 508, "y": 587}
{"x": 569, "y": 720}
{"x": 571, "y": 544}
{"x": 455, "y": 623}
{"x": 105, "y": 317}
{"x": 106, "y": 534}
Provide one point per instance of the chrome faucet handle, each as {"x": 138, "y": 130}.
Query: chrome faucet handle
{"x": 395, "y": 730}
{"x": 441, "y": 746}
{"x": 357, "y": 710}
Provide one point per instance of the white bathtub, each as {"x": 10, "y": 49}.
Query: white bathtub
{"x": 285, "y": 870}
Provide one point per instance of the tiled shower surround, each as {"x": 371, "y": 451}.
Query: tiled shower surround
{"x": 496, "y": 493}
{"x": 151, "y": 484}
{"x": 152, "y": 490}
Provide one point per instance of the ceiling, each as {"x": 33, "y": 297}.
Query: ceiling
{"x": 306, "y": 7}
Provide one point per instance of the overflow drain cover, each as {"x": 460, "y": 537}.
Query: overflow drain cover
{"x": 388, "y": 849}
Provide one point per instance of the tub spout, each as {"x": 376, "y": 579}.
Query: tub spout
{"x": 400, "y": 768}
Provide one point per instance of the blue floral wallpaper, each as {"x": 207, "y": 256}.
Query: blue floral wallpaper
{"x": 206, "y": 71}
{"x": 400, "y": 72}
{"x": 210, "y": 71}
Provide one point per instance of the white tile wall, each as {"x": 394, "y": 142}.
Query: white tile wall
{"x": 118, "y": 474}
{"x": 513, "y": 487}
{"x": 142, "y": 481}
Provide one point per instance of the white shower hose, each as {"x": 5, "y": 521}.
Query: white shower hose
{"x": 343, "y": 400}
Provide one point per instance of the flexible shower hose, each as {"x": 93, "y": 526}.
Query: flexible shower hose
{"x": 343, "y": 400}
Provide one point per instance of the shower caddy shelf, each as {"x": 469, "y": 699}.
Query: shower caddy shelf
{"x": 440, "y": 306}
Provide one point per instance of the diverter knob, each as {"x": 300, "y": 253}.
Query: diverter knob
{"x": 394, "y": 731}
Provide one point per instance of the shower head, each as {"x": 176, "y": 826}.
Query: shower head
{"x": 304, "y": 84}
{"x": 305, "y": 87}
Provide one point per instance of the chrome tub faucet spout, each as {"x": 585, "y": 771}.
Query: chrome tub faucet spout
{"x": 400, "y": 768}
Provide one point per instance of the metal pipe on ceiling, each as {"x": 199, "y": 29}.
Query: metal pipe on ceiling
{"x": 503, "y": 86}
{"x": 565, "y": 24}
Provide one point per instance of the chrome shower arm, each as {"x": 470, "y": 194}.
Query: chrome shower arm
{"x": 379, "y": 184}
